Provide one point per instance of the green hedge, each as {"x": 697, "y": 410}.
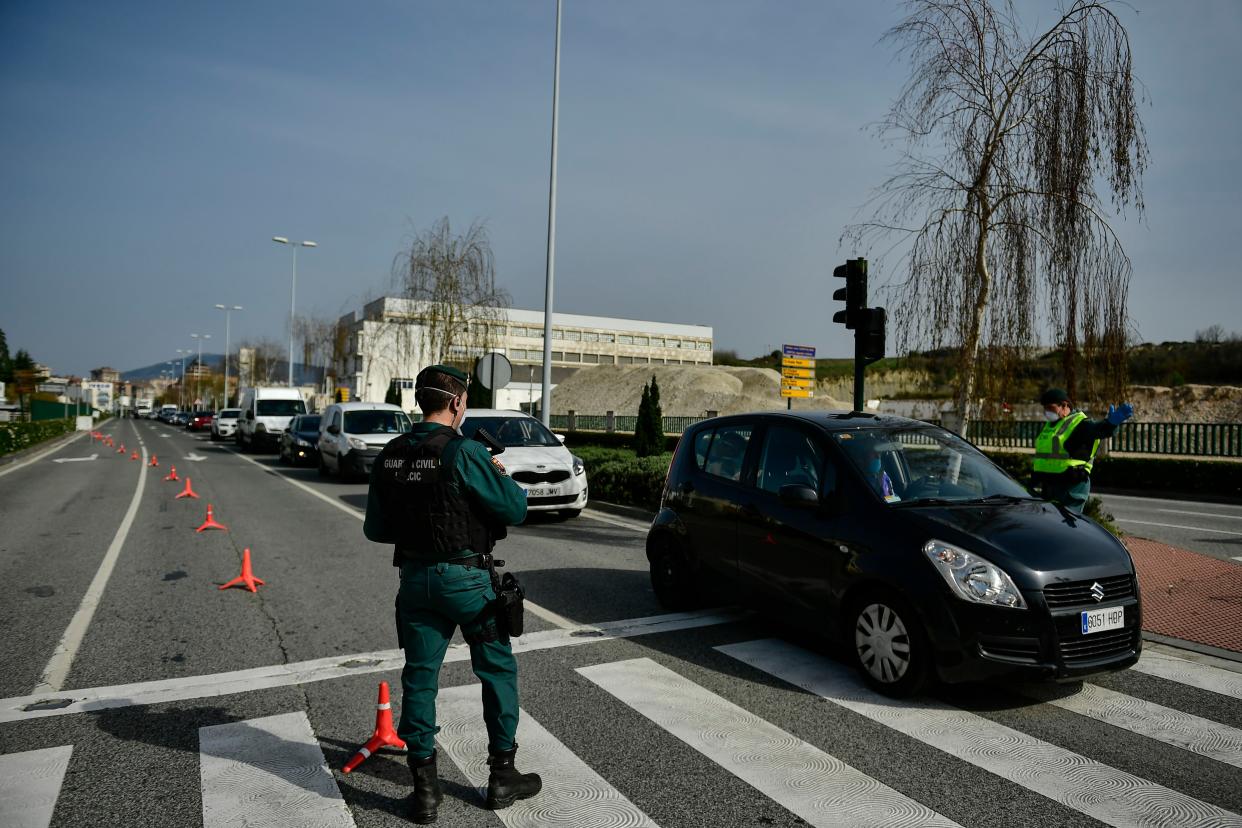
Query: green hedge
{"x": 616, "y": 475}
{"x": 1182, "y": 475}
{"x": 17, "y": 436}
{"x": 603, "y": 439}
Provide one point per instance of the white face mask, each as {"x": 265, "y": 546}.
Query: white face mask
{"x": 1051, "y": 416}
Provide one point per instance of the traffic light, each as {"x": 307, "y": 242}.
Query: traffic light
{"x": 854, "y": 294}
{"x": 870, "y": 334}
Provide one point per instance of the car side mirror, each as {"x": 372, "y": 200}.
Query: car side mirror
{"x": 334, "y": 429}
{"x": 560, "y": 437}
{"x": 799, "y": 496}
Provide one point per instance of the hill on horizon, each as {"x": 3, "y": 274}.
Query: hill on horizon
{"x": 302, "y": 374}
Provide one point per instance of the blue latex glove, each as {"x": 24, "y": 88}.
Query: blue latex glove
{"x": 1118, "y": 414}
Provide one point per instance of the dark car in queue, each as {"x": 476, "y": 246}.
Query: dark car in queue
{"x": 898, "y": 539}
{"x": 297, "y": 444}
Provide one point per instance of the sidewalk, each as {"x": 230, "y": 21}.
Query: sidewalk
{"x": 1188, "y": 596}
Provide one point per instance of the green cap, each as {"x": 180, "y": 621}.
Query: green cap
{"x": 455, "y": 373}
{"x": 1053, "y": 396}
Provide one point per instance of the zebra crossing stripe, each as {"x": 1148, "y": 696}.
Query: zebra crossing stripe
{"x": 268, "y": 772}
{"x": 1109, "y": 795}
{"x": 1155, "y": 721}
{"x": 29, "y": 785}
{"x": 573, "y": 794}
{"x": 1192, "y": 673}
{"x": 800, "y": 777}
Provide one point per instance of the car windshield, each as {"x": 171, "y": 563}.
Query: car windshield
{"x": 925, "y": 465}
{"x": 230, "y": 413}
{"x": 309, "y": 423}
{"x": 376, "y": 422}
{"x": 281, "y": 408}
{"x": 512, "y": 432}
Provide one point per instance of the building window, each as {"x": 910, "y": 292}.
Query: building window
{"x": 572, "y": 357}
{"x": 705, "y": 346}
{"x": 605, "y": 337}
{"x": 590, "y": 358}
{"x": 558, "y": 356}
{"x": 657, "y": 361}
{"x": 404, "y": 383}
{"x": 624, "y": 339}
{"x": 641, "y": 340}
{"x": 625, "y": 360}
{"x": 573, "y": 336}
{"x": 657, "y": 342}
{"x": 590, "y": 337}
{"x": 557, "y": 333}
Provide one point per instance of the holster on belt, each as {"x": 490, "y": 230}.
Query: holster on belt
{"x": 510, "y": 605}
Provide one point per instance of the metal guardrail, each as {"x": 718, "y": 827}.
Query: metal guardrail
{"x": 1179, "y": 439}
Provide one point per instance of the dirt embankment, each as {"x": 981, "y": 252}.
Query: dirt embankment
{"x": 685, "y": 391}
{"x": 1187, "y": 403}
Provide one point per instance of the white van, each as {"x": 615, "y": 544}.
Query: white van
{"x": 352, "y": 434}
{"x": 265, "y": 414}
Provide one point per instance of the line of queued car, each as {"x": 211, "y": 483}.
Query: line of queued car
{"x": 345, "y": 439}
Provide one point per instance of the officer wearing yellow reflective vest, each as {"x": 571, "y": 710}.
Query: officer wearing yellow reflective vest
{"x": 443, "y": 501}
{"x": 1066, "y": 447}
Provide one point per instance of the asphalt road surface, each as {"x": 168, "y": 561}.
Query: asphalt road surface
{"x": 1210, "y": 528}
{"x": 133, "y": 692}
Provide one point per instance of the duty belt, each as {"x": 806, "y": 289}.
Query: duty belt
{"x": 481, "y": 560}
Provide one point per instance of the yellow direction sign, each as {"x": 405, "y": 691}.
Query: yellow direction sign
{"x": 791, "y": 382}
{"x": 800, "y": 373}
{"x": 795, "y": 362}
{"x": 796, "y": 392}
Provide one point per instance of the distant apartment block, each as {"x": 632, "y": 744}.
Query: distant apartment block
{"x": 391, "y": 340}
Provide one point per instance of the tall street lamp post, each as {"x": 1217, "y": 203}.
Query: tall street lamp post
{"x": 545, "y": 408}
{"x": 198, "y": 371}
{"x": 228, "y": 309}
{"x": 293, "y": 289}
{"x": 181, "y": 390}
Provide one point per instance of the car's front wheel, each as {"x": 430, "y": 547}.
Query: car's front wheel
{"x": 889, "y": 647}
{"x": 324, "y": 471}
{"x": 671, "y": 577}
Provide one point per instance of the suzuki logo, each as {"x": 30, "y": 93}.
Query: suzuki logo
{"x": 1097, "y": 591}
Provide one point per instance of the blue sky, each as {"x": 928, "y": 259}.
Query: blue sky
{"x": 711, "y": 154}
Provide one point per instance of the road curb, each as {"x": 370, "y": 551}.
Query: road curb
{"x": 1193, "y": 646}
{"x": 622, "y": 511}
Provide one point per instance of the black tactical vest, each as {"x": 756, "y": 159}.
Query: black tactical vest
{"x": 435, "y": 520}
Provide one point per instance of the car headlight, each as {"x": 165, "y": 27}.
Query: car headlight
{"x": 300, "y": 442}
{"x": 972, "y": 577}
{"x": 579, "y": 468}
{"x": 355, "y": 443}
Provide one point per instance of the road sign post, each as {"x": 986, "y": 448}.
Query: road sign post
{"x": 797, "y": 373}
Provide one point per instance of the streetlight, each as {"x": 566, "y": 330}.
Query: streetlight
{"x": 198, "y": 372}
{"x": 545, "y": 410}
{"x": 292, "y": 291}
{"x": 227, "y": 310}
{"x": 181, "y": 388}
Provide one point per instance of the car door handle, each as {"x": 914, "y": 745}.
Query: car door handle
{"x": 749, "y": 510}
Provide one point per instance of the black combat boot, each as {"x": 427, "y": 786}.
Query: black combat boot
{"x": 427, "y": 795}
{"x": 505, "y": 784}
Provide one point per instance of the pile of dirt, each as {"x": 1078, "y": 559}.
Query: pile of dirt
{"x": 1186, "y": 403}
{"x": 685, "y": 390}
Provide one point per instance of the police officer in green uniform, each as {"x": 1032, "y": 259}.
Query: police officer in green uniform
{"x": 1065, "y": 449}
{"x": 443, "y": 502}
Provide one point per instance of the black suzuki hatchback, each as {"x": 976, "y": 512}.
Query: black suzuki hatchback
{"x": 897, "y": 538}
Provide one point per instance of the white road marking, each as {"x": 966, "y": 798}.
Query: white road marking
{"x": 36, "y": 458}
{"x": 1191, "y": 673}
{"x": 268, "y": 772}
{"x": 195, "y": 458}
{"x": 1150, "y": 500}
{"x": 1102, "y": 792}
{"x": 546, "y": 614}
{"x": 41, "y": 705}
{"x": 75, "y": 459}
{"x": 57, "y": 669}
{"x": 30, "y": 784}
{"x": 1200, "y": 514}
{"x": 1164, "y": 724}
{"x": 615, "y": 521}
{"x": 1237, "y": 557}
{"x": 573, "y": 794}
{"x": 1179, "y": 526}
{"x": 818, "y": 787}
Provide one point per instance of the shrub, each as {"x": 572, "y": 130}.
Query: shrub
{"x": 17, "y": 436}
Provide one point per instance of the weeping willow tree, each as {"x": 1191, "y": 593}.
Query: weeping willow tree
{"x": 1009, "y": 140}
{"x": 451, "y": 282}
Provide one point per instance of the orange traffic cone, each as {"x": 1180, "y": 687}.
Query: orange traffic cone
{"x": 188, "y": 491}
{"x": 154, "y": 461}
{"x": 121, "y": 450}
{"x": 210, "y": 522}
{"x": 134, "y": 456}
{"x": 246, "y": 578}
{"x": 172, "y": 475}
{"x": 384, "y": 735}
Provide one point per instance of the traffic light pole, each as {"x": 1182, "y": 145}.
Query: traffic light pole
{"x": 860, "y": 366}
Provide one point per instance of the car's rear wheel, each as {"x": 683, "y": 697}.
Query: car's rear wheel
{"x": 670, "y": 577}
{"x": 888, "y": 645}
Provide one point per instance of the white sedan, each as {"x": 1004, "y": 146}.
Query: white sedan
{"x": 554, "y": 479}
{"x": 224, "y": 423}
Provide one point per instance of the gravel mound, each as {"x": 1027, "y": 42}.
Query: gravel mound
{"x": 685, "y": 390}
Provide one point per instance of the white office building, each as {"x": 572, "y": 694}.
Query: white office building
{"x": 392, "y": 339}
